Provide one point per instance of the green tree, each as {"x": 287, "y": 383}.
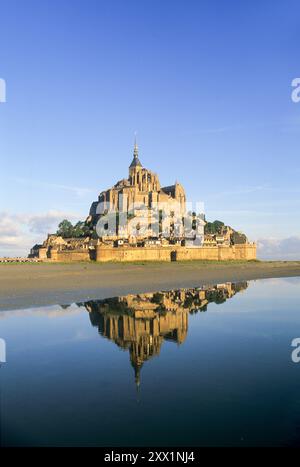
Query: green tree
{"x": 213, "y": 227}
{"x": 65, "y": 229}
{"x": 80, "y": 230}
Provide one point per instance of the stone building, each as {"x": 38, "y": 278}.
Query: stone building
{"x": 142, "y": 200}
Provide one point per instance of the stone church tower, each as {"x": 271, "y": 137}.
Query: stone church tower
{"x": 138, "y": 193}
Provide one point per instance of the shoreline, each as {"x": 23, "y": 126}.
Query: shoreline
{"x": 28, "y": 285}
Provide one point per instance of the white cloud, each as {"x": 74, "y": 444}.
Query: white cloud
{"x": 281, "y": 249}
{"x": 41, "y": 223}
{"x": 18, "y": 233}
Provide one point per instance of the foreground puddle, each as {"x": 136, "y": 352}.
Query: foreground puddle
{"x": 209, "y": 366}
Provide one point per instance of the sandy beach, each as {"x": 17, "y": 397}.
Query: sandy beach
{"x": 26, "y": 285}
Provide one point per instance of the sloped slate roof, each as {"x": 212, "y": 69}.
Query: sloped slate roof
{"x": 135, "y": 162}
{"x": 169, "y": 189}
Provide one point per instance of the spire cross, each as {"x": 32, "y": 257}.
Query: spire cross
{"x": 135, "y": 151}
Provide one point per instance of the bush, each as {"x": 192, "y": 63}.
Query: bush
{"x": 213, "y": 227}
{"x": 67, "y": 230}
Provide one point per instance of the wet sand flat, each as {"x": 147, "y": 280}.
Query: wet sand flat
{"x": 38, "y": 284}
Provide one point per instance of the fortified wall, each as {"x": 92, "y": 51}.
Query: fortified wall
{"x": 218, "y": 253}
{"x": 171, "y": 253}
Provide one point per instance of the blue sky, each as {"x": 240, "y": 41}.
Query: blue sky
{"x": 206, "y": 84}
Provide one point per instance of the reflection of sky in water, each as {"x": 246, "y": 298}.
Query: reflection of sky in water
{"x": 230, "y": 381}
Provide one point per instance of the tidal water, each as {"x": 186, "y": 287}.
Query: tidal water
{"x": 206, "y": 366}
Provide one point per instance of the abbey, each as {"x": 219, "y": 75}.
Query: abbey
{"x": 141, "y": 188}
{"x": 142, "y": 198}
{"x": 137, "y": 219}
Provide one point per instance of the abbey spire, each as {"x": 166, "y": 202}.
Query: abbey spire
{"x": 135, "y": 162}
{"x": 136, "y": 149}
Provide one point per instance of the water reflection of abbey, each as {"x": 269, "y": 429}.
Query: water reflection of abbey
{"x": 140, "y": 323}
